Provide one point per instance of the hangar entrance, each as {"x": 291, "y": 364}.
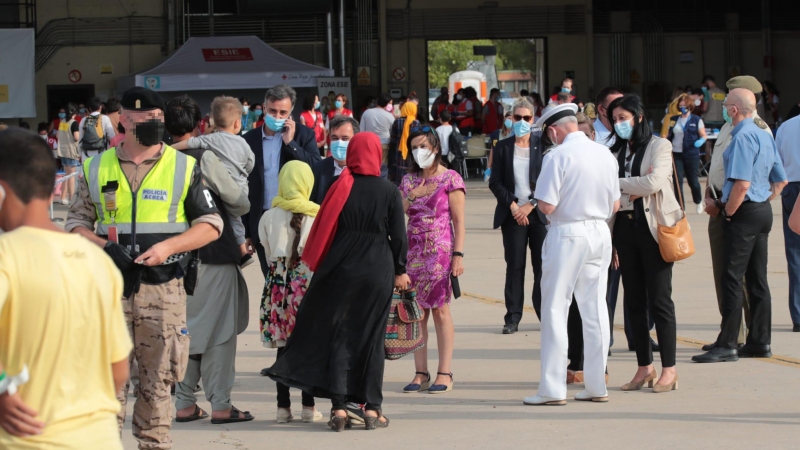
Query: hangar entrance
{"x": 511, "y": 65}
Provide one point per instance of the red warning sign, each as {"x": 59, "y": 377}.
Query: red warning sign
{"x": 75, "y": 76}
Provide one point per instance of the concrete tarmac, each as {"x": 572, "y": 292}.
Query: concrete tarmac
{"x": 746, "y": 404}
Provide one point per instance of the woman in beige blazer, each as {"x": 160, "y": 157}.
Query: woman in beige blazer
{"x": 645, "y": 166}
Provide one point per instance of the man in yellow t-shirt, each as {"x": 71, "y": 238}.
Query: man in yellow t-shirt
{"x": 61, "y": 319}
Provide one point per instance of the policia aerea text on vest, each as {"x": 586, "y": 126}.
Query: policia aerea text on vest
{"x": 151, "y": 209}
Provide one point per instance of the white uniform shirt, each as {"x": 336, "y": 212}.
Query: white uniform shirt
{"x": 788, "y": 143}
{"x": 580, "y": 178}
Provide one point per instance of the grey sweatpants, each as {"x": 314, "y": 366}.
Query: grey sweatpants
{"x": 217, "y": 369}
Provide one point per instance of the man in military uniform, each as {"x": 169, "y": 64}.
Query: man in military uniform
{"x": 151, "y": 209}
{"x": 716, "y": 179}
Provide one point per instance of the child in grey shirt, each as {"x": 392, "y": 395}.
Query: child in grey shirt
{"x": 231, "y": 149}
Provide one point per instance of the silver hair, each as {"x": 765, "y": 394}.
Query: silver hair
{"x": 280, "y": 92}
{"x": 523, "y": 102}
{"x": 340, "y": 120}
{"x": 565, "y": 120}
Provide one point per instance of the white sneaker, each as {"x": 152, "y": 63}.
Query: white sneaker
{"x": 700, "y": 208}
{"x": 539, "y": 400}
{"x": 284, "y": 415}
{"x": 584, "y": 396}
{"x": 309, "y": 415}
{"x": 64, "y": 201}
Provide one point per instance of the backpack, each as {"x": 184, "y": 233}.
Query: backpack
{"x": 458, "y": 150}
{"x": 94, "y": 138}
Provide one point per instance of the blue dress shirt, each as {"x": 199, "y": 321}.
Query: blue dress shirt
{"x": 752, "y": 156}
{"x": 788, "y": 143}
{"x": 272, "y": 160}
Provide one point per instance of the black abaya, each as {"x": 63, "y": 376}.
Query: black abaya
{"x": 336, "y": 347}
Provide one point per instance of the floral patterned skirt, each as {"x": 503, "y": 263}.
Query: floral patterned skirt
{"x": 284, "y": 289}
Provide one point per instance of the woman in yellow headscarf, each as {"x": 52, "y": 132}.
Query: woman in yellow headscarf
{"x": 398, "y": 141}
{"x": 283, "y": 231}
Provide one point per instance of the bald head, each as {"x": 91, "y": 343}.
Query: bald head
{"x": 741, "y": 104}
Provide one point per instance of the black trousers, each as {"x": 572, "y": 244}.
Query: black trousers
{"x": 516, "y": 240}
{"x": 575, "y": 337}
{"x": 745, "y": 255}
{"x": 647, "y": 280}
{"x": 284, "y": 400}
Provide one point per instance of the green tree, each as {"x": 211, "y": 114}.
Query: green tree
{"x": 516, "y": 54}
{"x": 447, "y": 57}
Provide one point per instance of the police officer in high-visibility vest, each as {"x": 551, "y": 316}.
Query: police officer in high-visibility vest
{"x": 151, "y": 209}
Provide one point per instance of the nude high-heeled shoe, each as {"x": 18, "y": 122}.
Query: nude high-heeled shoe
{"x": 636, "y": 386}
{"x": 666, "y": 387}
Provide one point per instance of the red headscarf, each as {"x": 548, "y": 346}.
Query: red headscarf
{"x": 364, "y": 158}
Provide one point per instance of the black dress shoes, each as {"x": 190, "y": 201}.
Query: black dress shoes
{"x": 717, "y": 354}
{"x": 708, "y": 347}
{"x": 264, "y": 371}
{"x": 755, "y": 351}
{"x": 510, "y": 328}
{"x": 796, "y": 328}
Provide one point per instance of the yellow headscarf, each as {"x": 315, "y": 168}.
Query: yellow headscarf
{"x": 295, "y": 183}
{"x": 672, "y": 110}
{"x": 409, "y": 111}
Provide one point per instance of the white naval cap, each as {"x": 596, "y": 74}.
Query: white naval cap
{"x": 554, "y": 113}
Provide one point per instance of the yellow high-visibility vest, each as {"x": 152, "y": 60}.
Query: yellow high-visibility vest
{"x": 157, "y": 205}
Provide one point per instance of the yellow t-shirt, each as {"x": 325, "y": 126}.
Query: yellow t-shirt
{"x": 61, "y": 316}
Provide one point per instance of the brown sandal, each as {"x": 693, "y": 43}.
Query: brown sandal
{"x": 196, "y": 415}
{"x": 371, "y": 423}
{"x": 338, "y": 424}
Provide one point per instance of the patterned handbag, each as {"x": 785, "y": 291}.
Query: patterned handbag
{"x": 403, "y": 329}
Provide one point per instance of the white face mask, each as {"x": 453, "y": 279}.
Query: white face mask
{"x": 424, "y": 157}
{"x": 246, "y": 109}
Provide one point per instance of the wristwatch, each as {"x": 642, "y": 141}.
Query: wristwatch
{"x": 410, "y": 198}
{"x": 461, "y": 254}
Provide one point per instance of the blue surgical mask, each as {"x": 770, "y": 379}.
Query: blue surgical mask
{"x": 725, "y": 116}
{"x": 339, "y": 150}
{"x": 82, "y": 110}
{"x": 704, "y": 89}
{"x": 338, "y": 104}
{"x": 508, "y": 123}
{"x": 683, "y": 110}
{"x": 246, "y": 109}
{"x": 274, "y": 124}
{"x": 522, "y": 128}
{"x": 624, "y": 129}
{"x": 316, "y": 105}
{"x": 62, "y": 115}
{"x": 258, "y": 112}
{"x": 565, "y": 89}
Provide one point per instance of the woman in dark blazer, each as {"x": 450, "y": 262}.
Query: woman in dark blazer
{"x": 522, "y": 224}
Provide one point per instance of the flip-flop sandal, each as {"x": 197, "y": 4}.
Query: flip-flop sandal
{"x": 197, "y": 415}
{"x": 236, "y": 416}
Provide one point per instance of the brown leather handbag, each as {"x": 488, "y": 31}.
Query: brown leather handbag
{"x": 675, "y": 243}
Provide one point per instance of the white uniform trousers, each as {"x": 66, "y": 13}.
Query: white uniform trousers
{"x": 575, "y": 260}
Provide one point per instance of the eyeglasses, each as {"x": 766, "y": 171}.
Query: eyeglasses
{"x": 517, "y": 118}
{"x": 421, "y": 128}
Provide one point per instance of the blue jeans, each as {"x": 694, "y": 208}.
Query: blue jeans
{"x": 792, "y": 244}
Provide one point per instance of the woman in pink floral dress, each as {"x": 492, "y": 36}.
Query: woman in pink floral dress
{"x": 433, "y": 198}
{"x": 283, "y": 231}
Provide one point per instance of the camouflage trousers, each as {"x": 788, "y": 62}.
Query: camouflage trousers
{"x": 156, "y": 318}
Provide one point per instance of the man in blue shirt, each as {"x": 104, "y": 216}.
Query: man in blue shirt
{"x": 754, "y": 175}
{"x": 788, "y": 143}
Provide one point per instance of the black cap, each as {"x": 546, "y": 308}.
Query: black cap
{"x": 142, "y": 99}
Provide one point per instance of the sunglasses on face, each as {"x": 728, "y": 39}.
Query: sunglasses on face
{"x": 517, "y": 118}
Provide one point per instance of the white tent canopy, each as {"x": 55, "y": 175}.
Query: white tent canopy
{"x": 235, "y": 62}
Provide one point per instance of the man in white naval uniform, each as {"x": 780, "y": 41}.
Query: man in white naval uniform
{"x": 578, "y": 189}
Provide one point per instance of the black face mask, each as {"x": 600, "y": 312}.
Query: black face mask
{"x": 149, "y": 133}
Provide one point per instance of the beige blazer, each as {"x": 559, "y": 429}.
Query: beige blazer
{"x": 656, "y": 187}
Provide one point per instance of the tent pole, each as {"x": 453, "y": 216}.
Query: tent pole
{"x": 330, "y": 41}
{"x": 341, "y": 36}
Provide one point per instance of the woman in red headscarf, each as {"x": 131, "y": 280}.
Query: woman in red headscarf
{"x": 357, "y": 249}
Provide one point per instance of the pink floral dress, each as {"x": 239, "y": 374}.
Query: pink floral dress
{"x": 284, "y": 289}
{"x": 430, "y": 238}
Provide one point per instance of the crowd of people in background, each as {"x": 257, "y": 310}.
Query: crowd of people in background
{"x": 341, "y": 212}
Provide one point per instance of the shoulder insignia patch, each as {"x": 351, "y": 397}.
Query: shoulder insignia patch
{"x": 760, "y": 122}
